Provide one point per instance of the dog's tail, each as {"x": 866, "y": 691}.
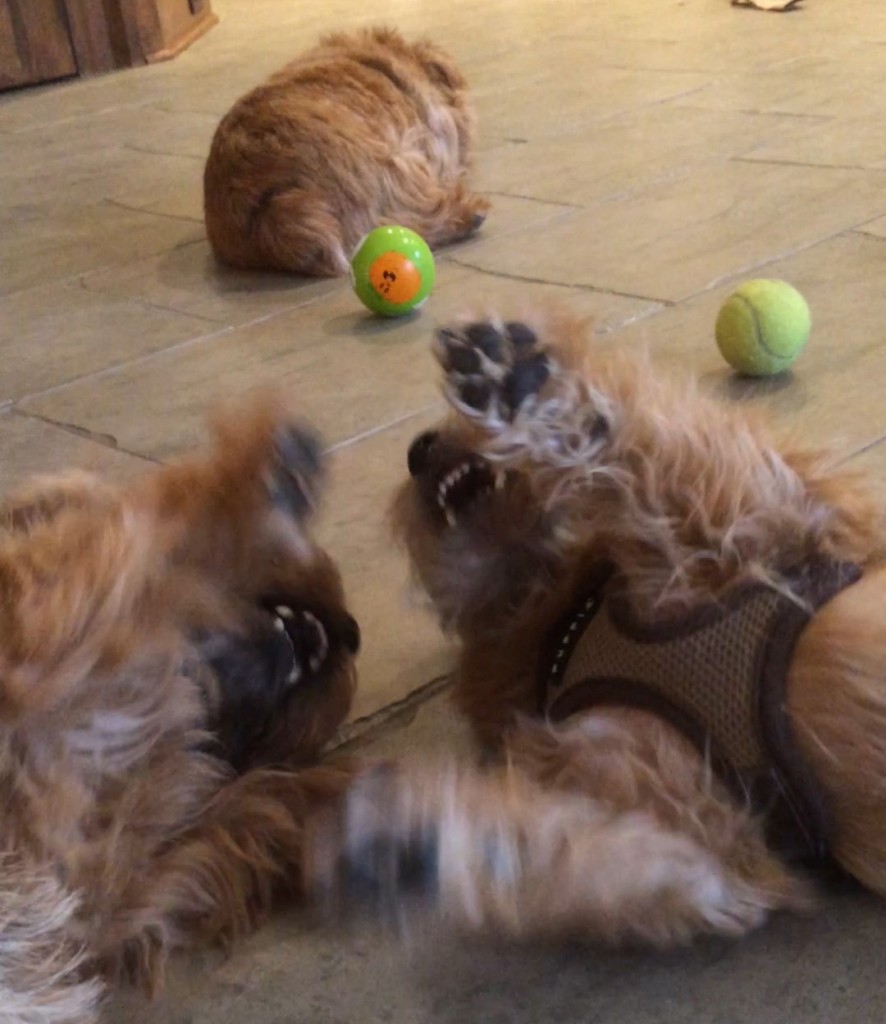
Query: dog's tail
{"x": 42, "y": 970}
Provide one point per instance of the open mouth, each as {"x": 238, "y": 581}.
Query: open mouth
{"x": 464, "y": 484}
{"x": 309, "y": 642}
{"x": 307, "y": 639}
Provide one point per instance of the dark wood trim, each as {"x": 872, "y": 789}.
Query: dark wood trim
{"x": 109, "y": 34}
{"x": 35, "y": 46}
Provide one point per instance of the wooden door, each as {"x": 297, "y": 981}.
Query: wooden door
{"x": 34, "y": 42}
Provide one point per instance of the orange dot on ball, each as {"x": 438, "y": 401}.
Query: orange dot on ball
{"x": 395, "y": 278}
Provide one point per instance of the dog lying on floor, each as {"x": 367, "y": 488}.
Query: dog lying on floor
{"x": 673, "y": 636}
{"x": 366, "y": 129}
{"x": 175, "y": 655}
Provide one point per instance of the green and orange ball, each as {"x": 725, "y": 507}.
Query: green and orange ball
{"x": 392, "y": 271}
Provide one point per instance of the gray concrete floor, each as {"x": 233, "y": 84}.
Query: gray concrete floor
{"x": 643, "y": 156}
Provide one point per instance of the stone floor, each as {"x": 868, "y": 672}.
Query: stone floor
{"x": 642, "y": 156}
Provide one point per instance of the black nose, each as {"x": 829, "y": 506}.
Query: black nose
{"x": 350, "y": 634}
{"x": 417, "y": 456}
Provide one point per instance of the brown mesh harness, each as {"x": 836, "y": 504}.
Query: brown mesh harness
{"x": 719, "y": 675}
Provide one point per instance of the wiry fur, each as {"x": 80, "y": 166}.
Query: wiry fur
{"x": 126, "y": 829}
{"x": 366, "y": 129}
{"x": 611, "y": 824}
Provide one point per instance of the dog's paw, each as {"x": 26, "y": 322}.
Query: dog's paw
{"x": 295, "y": 471}
{"x": 371, "y": 856}
{"x": 492, "y": 370}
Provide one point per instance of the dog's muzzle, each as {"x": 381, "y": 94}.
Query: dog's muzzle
{"x": 450, "y": 478}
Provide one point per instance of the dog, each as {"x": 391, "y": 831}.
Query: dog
{"x": 175, "y": 655}
{"x": 366, "y": 129}
{"x": 672, "y": 656}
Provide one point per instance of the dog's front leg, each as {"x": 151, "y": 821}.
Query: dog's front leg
{"x": 522, "y": 384}
{"x": 496, "y": 853}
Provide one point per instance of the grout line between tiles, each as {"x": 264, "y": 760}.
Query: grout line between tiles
{"x": 560, "y": 284}
{"x": 361, "y": 729}
{"x": 102, "y": 440}
{"x": 373, "y": 431}
{"x": 533, "y": 199}
{"x": 157, "y": 213}
{"x": 749, "y": 158}
{"x": 107, "y": 371}
{"x": 860, "y": 451}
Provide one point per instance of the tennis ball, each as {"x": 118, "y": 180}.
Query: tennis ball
{"x": 762, "y": 327}
{"x": 392, "y": 271}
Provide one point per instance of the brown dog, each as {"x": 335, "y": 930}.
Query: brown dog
{"x": 673, "y": 634}
{"x": 365, "y": 130}
{"x": 175, "y": 655}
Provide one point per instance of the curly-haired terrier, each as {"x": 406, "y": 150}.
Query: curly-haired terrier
{"x": 672, "y": 634}
{"x": 366, "y": 129}
{"x": 175, "y": 654}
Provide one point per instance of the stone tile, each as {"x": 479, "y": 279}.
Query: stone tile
{"x": 678, "y": 238}
{"x": 62, "y": 102}
{"x": 59, "y": 332}
{"x": 151, "y": 129}
{"x": 835, "y": 142}
{"x": 349, "y": 371}
{"x": 876, "y": 227}
{"x": 834, "y": 396}
{"x": 716, "y": 43}
{"x": 846, "y": 82}
{"x": 550, "y": 97}
{"x": 188, "y": 279}
{"x": 402, "y": 647}
{"x": 181, "y": 198}
{"x": 41, "y": 243}
{"x": 29, "y": 447}
{"x": 90, "y": 171}
{"x": 625, "y": 154}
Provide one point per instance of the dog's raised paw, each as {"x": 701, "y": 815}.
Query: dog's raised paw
{"x": 296, "y": 470}
{"x": 492, "y": 370}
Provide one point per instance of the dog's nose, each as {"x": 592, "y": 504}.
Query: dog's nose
{"x": 417, "y": 456}
{"x": 350, "y": 634}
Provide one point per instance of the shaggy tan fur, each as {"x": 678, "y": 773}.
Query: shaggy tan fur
{"x": 561, "y": 454}
{"x": 366, "y": 129}
{"x": 127, "y": 829}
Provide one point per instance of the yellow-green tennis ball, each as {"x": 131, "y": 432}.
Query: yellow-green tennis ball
{"x": 762, "y": 327}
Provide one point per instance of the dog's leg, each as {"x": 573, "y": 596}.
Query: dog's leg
{"x": 451, "y": 215}
{"x": 219, "y": 881}
{"x": 526, "y": 857}
{"x": 247, "y": 501}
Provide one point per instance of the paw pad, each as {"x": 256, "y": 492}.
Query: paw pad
{"x": 492, "y": 370}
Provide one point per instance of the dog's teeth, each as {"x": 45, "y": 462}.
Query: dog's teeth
{"x": 278, "y": 624}
{"x": 450, "y": 517}
{"x": 293, "y": 676}
{"x": 322, "y": 651}
{"x": 284, "y": 611}
{"x": 500, "y": 481}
